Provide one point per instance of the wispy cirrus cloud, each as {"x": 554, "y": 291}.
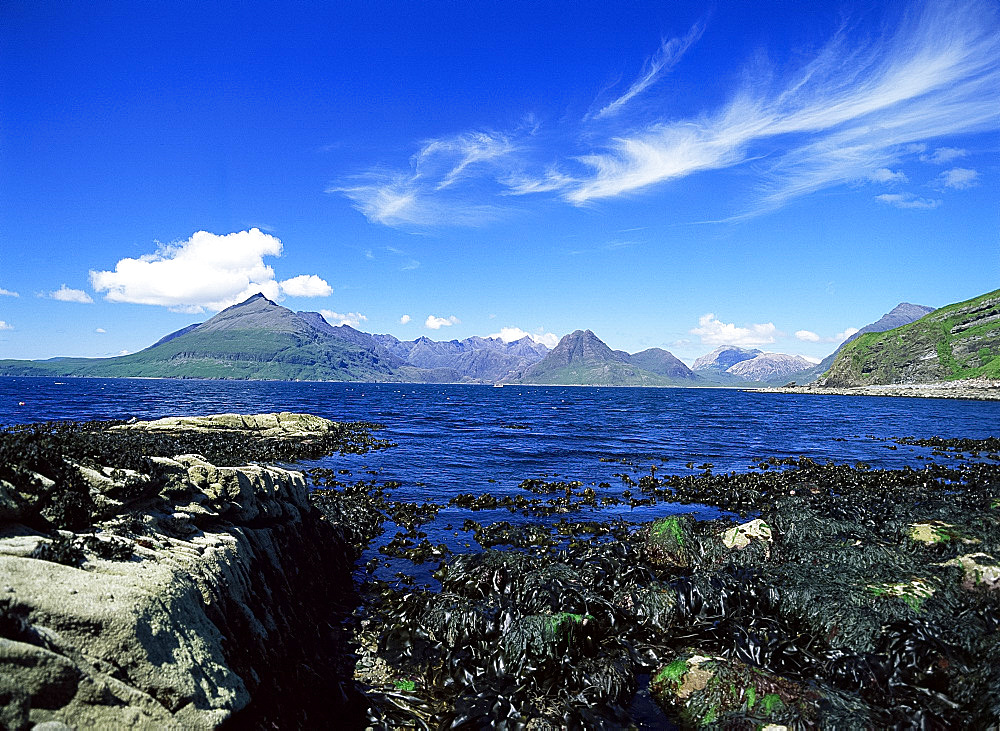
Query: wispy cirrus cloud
{"x": 854, "y": 109}
{"x": 861, "y": 105}
{"x": 668, "y": 55}
{"x": 429, "y": 192}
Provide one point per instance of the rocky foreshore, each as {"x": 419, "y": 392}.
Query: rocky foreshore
{"x": 146, "y": 584}
{"x": 166, "y": 575}
{"x": 981, "y": 389}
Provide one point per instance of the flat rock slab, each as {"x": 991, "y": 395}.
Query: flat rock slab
{"x": 283, "y": 425}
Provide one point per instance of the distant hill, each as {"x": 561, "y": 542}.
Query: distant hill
{"x": 480, "y": 359}
{"x": 769, "y": 368}
{"x": 723, "y": 358}
{"x": 581, "y": 358}
{"x": 663, "y": 363}
{"x": 256, "y": 339}
{"x": 261, "y": 340}
{"x": 730, "y": 365}
{"x": 955, "y": 342}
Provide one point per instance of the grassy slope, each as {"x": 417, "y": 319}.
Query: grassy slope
{"x": 238, "y": 354}
{"x": 877, "y": 358}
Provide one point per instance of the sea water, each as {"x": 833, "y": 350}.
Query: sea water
{"x": 453, "y": 439}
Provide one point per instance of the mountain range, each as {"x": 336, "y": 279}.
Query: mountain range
{"x": 259, "y": 339}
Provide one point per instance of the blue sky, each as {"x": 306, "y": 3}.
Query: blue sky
{"x": 672, "y": 175}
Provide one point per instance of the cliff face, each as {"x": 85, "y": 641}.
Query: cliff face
{"x": 955, "y": 342}
{"x": 200, "y": 595}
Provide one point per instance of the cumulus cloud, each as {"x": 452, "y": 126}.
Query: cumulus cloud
{"x": 810, "y": 337}
{"x": 8, "y": 293}
{"x": 512, "y": 334}
{"x": 305, "y": 285}
{"x": 958, "y": 178}
{"x": 207, "y": 271}
{"x": 885, "y": 175}
{"x": 404, "y": 319}
{"x": 354, "y": 319}
{"x": 5, "y": 325}
{"x": 436, "y": 323}
{"x": 712, "y": 331}
{"x": 944, "y": 155}
{"x": 100, "y": 330}
{"x": 908, "y": 200}
{"x": 66, "y": 294}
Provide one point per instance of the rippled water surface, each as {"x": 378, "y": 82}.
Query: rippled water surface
{"x": 454, "y": 437}
{"x": 473, "y": 439}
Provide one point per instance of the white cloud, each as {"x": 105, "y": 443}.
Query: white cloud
{"x": 908, "y": 200}
{"x": 8, "y": 293}
{"x": 959, "y": 178}
{"x": 852, "y": 110}
{"x": 944, "y": 155}
{"x": 305, "y": 285}
{"x": 810, "y": 337}
{"x": 207, "y": 271}
{"x": 404, "y": 319}
{"x": 714, "y": 332}
{"x": 124, "y": 351}
{"x": 425, "y": 194}
{"x": 666, "y": 58}
{"x": 5, "y": 325}
{"x": 354, "y": 319}
{"x": 66, "y": 294}
{"x": 512, "y": 334}
{"x": 862, "y": 104}
{"x": 100, "y": 330}
{"x": 885, "y": 175}
{"x": 436, "y": 323}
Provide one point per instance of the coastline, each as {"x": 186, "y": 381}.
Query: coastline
{"x": 979, "y": 390}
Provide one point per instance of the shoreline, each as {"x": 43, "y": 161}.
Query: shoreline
{"x": 977, "y": 390}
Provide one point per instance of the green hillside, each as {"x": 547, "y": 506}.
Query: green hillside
{"x": 959, "y": 341}
{"x": 256, "y": 339}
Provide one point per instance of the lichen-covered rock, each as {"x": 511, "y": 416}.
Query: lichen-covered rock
{"x": 284, "y": 425}
{"x": 741, "y": 536}
{"x": 980, "y": 571}
{"x": 182, "y": 607}
{"x": 932, "y": 532}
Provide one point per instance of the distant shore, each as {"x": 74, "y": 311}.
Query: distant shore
{"x": 979, "y": 389}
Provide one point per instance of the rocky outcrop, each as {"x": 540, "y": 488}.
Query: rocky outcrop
{"x": 960, "y": 341}
{"x": 202, "y": 595}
